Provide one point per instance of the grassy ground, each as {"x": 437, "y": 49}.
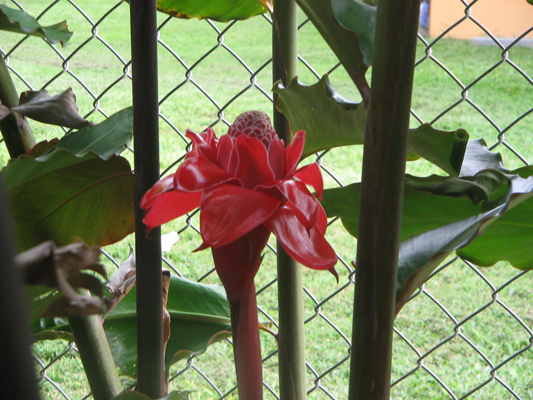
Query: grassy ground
{"x": 445, "y": 336}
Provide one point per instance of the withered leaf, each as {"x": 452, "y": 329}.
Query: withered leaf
{"x": 63, "y": 269}
{"x": 60, "y": 109}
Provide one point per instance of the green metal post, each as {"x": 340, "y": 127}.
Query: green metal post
{"x": 290, "y": 288}
{"x": 382, "y": 199}
{"x": 150, "y": 344}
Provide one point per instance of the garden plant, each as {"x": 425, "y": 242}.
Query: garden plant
{"x": 247, "y": 185}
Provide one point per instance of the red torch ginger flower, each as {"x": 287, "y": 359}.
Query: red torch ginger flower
{"x": 245, "y": 179}
{"x": 247, "y": 185}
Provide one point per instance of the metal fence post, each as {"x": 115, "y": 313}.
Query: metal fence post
{"x": 150, "y": 367}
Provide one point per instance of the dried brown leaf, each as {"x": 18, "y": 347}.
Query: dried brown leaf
{"x": 60, "y": 109}
{"x": 63, "y": 269}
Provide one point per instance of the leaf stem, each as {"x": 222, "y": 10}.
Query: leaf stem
{"x": 382, "y": 198}
{"x": 15, "y": 128}
{"x": 291, "y": 337}
{"x": 96, "y": 356}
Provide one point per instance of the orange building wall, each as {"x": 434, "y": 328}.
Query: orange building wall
{"x": 504, "y": 18}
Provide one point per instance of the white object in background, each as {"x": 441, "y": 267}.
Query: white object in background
{"x": 168, "y": 240}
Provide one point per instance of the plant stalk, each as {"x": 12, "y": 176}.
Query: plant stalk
{"x": 382, "y": 199}
{"x": 291, "y": 337}
{"x": 237, "y": 264}
{"x": 15, "y": 128}
{"x": 96, "y": 356}
{"x": 150, "y": 341}
{"x": 17, "y": 367}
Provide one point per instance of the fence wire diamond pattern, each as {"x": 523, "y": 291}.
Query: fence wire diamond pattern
{"x": 467, "y": 332}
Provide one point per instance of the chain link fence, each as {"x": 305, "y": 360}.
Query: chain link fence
{"x": 468, "y": 331}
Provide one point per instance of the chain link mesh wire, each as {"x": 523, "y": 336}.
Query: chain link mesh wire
{"x": 467, "y": 332}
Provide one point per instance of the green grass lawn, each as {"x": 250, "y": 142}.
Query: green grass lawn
{"x": 440, "y": 334}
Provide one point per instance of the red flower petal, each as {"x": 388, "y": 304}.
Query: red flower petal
{"x": 229, "y": 212}
{"x": 307, "y": 246}
{"x": 276, "y": 158}
{"x": 161, "y": 186}
{"x": 294, "y": 153}
{"x": 203, "y": 145}
{"x": 199, "y": 173}
{"x": 253, "y": 168}
{"x": 170, "y": 205}
{"x": 301, "y": 201}
{"x": 310, "y": 175}
{"x": 225, "y": 154}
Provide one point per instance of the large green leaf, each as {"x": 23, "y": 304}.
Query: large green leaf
{"x": 345, "y": 43}
{"x": 331, "y": 121}
{"x": 104, "y": 140}
{"x": 421, "y": 254}
{"x": 478, "y": 157}
{"x": 328, "y": 119}
{"x": 109, "y": 137}
{"x": 217, "y": 10}
{"x": 199, "y": 316}
{"x": 510, "y": 238}
{"x": 445, "y": 149}
{"x": 360, "y": 18}
{"x": 441, "y": 218}
{"x": 18, "y": 21}
{"x": 422, "y": 211}
{"x": 70, "y": 197}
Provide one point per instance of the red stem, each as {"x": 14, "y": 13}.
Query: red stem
{"x": 247, "y": 346}
{"x": 236, "y": 264}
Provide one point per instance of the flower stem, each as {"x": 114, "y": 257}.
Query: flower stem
{"x": 236, "y": 264}
{"x": 382, "y": 199}
{"x": 291, "y": 337}
{"x": 247, "y": 346}
{"x": 15, "y": 129}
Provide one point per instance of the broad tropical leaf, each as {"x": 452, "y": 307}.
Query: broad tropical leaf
{"x": 217, "y": 10}
{"x": 478, "y": 157}
{"x": 331, "y": 121}
{"x": 441, "y": 218}
{"x": 510, "y": 238}
{"x": 422, "y": 211}
{"x": 345, "y": 43}
{"x": 106, "y": 139}
{"x": 328, "y": 119}
{"x": 67, "y": 197}
{"x": 199, "y": 316}
{"x": 18, "y": 21}
{"x": 109, "y": 137}
{"x": 360, "y": 18}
